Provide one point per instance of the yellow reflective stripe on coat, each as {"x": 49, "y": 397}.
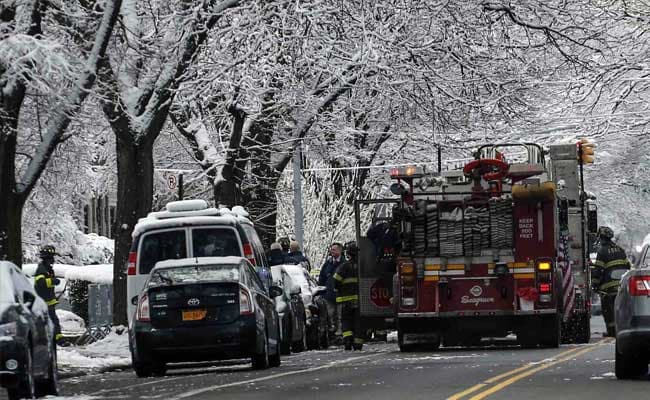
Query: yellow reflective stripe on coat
{"x": 344, "y": 299}
{"x": 38, "y": 277}
{"x": 608, "y": 285}
{"x": 50, "y": 282}
{"x": 347, "y": 333}
{"x": 52, "y": 302}
{"x": 338, "y": 277}
{"x": 350, "y": 280}
{"x": 616, "y": 263}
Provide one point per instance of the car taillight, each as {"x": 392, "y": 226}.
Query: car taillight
{"x": 640, "y": 285}
{"x": 544, "y": 288}
{"x": 245, "y": 303}
{"x": 143, "y": 308}
{"x": 249, "y": 254}
{"x": 407, "y": 285}
{"x": 133, "y": 257}
{"x": 544, "y": 278}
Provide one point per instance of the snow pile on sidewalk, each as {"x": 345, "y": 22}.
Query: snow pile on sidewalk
{"x": 71, "y": 323}
{"x": 112, "y": 352}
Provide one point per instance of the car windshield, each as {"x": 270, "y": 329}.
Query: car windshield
{"x": 6, "y": 289}
{"x": 171, "y": 276}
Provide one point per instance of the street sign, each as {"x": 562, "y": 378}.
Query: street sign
{"x": 172, "y": 181}
{"x": 380, "y": 294}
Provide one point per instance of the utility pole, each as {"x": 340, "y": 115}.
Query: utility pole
{"x": 297, "y": 195}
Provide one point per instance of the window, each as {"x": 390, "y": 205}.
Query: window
{"x": 258, "y": 248}
{"x": 21, "y": 284}
{"x": 215, "y": 242}
{"x": 255, "y": 280}
{"x": 159, "y": 246}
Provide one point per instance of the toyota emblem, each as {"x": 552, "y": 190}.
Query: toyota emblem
{"x": 476, "y": 291}
{"x": 193, "y": 302}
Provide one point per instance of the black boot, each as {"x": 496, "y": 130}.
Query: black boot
{"x": 347, "y": 343}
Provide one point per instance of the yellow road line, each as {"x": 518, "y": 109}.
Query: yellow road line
{"x": 521, "y": 376}
{"x": 475, "y": 388}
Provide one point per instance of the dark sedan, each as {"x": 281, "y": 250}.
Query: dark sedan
{"x": 27, "y": 347}
{"x": 633, "y": 322}
{"x": 203, "y": 309}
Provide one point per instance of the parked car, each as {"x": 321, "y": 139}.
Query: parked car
{"x": 633, "y": 321}
{"x": 27, "y": 344}
{"x": 291, "y": 309}
{"x": 188, "y": 229}
{"x": 203, "y": 309}
{"x": 315, "y": 306}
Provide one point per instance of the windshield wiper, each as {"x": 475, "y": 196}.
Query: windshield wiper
{"x": 165, "y": 279}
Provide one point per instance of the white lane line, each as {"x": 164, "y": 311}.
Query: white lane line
{"x": 275, "y": 376}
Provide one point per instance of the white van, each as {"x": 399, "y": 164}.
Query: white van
{"x": 188, "y": 229}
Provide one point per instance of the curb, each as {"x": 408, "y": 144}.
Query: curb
{"x": 79, "y": 372}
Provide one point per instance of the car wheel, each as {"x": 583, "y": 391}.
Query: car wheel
{"x": 300, "y": 344}
{"x": 50, "y": 386}
{"x": 141, "y": 364}
{"x": 324, "y": 338}
{"x": 313, "y": 341}
{"x": 285, "y": 341}
{"x": 261, "y": 360}
{"x": 25, "y": 388}
{"x": 628, "y": 366}
{"x": 158, "y": 368}
{"x": 274, "y": 360}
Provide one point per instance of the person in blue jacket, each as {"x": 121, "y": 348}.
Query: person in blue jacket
{"x": 326, "y": 278}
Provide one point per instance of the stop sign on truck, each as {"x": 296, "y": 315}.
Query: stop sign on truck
{"x": 380, "y": 294}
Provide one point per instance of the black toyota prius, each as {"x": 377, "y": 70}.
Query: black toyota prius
{"x": 27, "y": 348}
{"x": 202, "y": 309}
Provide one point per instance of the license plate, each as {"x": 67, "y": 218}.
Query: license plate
{"x": 194, "y": 315}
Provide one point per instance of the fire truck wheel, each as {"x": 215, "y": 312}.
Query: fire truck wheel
{"x": 404, "y": 347}
{"x": 583, "y": 335}
{"x": 552, "y": 332}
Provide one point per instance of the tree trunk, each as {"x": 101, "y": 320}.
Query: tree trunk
{"x": 134, "y": 199}
{"x": 11, "y": 216}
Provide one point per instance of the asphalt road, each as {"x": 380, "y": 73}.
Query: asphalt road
{"x": 495, "y": 371}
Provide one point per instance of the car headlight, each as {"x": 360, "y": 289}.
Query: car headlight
{"x": 9, "y": 329}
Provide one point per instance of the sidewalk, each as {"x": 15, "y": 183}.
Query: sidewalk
{"x": 109, "y": 354}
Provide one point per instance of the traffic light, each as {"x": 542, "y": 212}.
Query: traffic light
{"x": 586, "y": 151}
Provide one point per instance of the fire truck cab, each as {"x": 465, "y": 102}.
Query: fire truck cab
{"x": 491, "y": 250}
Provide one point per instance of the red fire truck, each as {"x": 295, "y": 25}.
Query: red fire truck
{"x": 493, "y": 249}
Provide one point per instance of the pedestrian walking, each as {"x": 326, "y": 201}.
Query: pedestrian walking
{"x": 276, "y": 256}
{"x": 44, "y": 284}
{"x": 326, "y": 278}
{"x": 295, "y": 256}
{"x": 347, "y": 294}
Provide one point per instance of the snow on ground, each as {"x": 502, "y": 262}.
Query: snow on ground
{"x": 108, "y": 353}
{"x": 71, "y": 323}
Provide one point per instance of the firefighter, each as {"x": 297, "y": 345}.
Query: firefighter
{"x": 44, "y": 283}
{"x": 611, "y": 263}
{"x": 347, "y": 294}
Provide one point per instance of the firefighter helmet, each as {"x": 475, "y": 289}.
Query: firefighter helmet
{"x": 47, "y": 252}
{"x": 605, "y": 232}
{"x": 351, "y": 250}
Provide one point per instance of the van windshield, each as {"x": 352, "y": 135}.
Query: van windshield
{"x": 6, "y": 288}
{"x": 160, "y": 246}
{"x": 215, "y": 242}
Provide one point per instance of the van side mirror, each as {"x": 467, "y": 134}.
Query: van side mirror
{"x": 295, "y": 290}
{"x": 134, "y": 300}
{"x": 275, "y": 291}
{"x": 28, "y": 299}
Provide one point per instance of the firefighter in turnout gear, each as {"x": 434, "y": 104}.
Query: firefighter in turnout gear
{"x": 44, "y": 283}
{"x": 611, "y": 264}
{"x": 347, "y": 294}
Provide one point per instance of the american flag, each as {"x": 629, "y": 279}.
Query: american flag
{"x": 564, "y": 261}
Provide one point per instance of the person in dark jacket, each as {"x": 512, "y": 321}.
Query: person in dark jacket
{"x": 347, "y": 294}
{"x": 44, "y": 283}
{"x": 295, "y": 256}
{"x": 326, "y": 278}
{"x": 611, "y": 264}
{"x": 276, "y": 255}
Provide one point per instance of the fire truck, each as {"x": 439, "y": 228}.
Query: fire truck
{"x": 495, "y": 248}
